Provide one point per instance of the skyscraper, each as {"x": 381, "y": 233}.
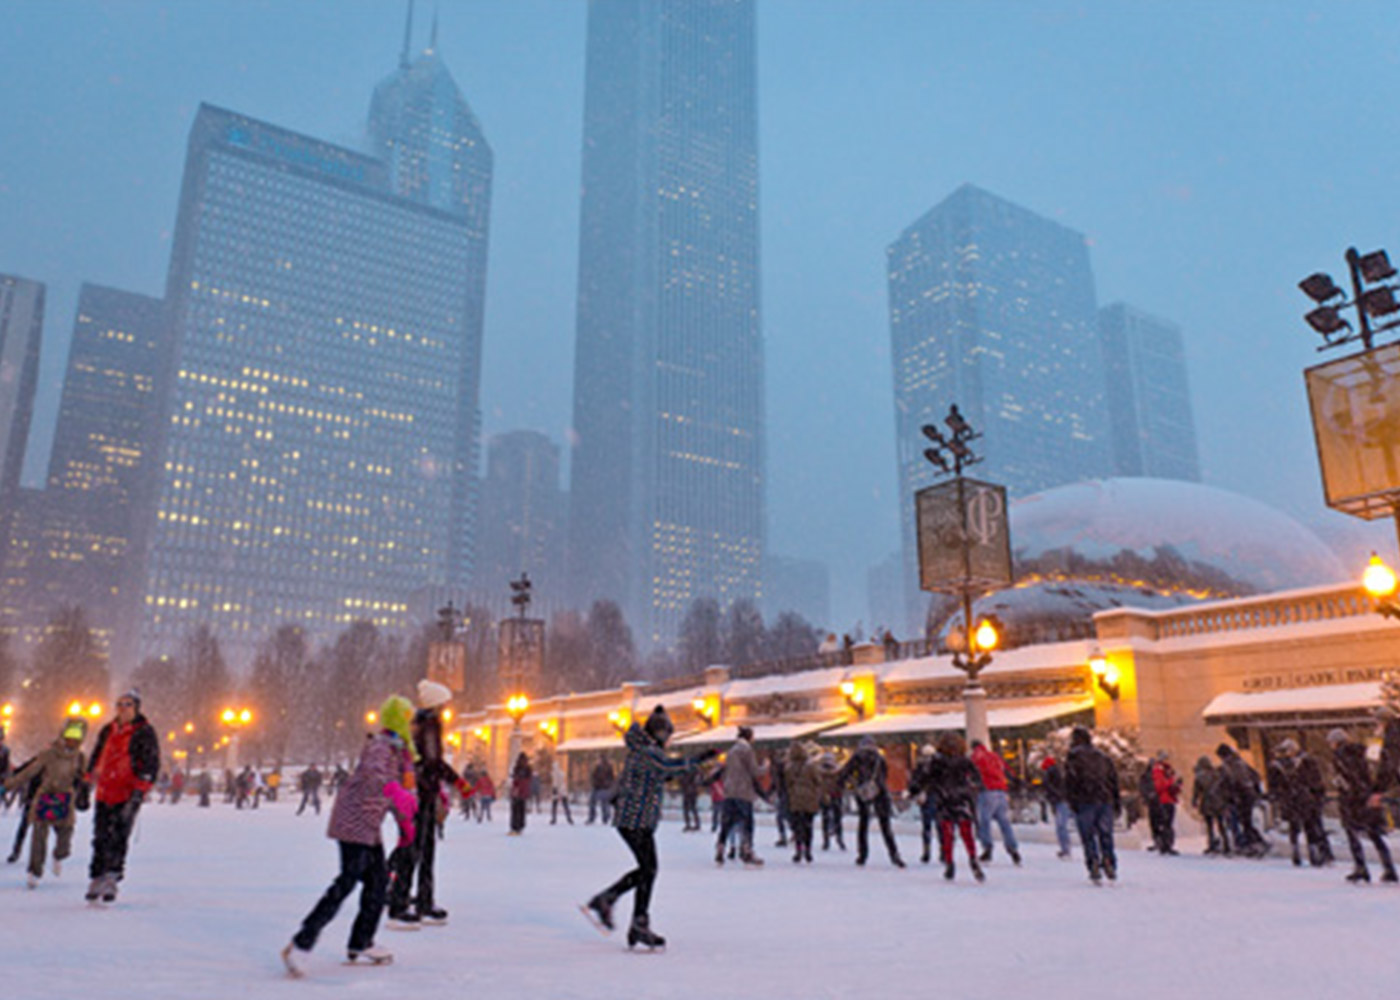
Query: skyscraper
{"x": 312, "y": 403}
{"x": 79, "y": 529}
{"x": 667, "y": 489}
{"x": 21, "y": 330}
{"x": 992, "y": 308}
{"x": 1149, "y": 395}
{"x": 423, "y": 128}
{"x": 522, "y": 520}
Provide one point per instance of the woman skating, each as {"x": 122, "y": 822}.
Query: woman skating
{"x": 636, "y": 813}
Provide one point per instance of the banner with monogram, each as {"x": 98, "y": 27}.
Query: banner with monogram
{"x": 950, "y": 560}
{"x": 1356, "y": 421}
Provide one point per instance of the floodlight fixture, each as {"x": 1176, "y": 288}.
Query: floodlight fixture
{"x": 1326, "y": 320}
{"x": 1379, "y": 301}
{"x": 1375, "y": 266}
{"x": 1319, "y": 287}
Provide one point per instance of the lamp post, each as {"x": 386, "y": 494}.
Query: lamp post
{"x": 1355, "y": 401}
{"x": 1380, "y": 582}
{"x": 979, "y": 556}
{"x": 234, "y": 720}
{"x": 516, "y": 707}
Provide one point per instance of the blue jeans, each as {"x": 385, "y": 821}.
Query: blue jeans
{"x": 738, "y": 814}
{"x": 1062, "y": 814}
{"x": 1096, "y": 834}
{"x": 993, "y": 806}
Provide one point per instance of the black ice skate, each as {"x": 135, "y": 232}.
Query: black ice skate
{"x": 598, "y": 910}
{"x": 978, "y": 873}
{"x": 640, "y": 933}
{"x": 433, "y": 916}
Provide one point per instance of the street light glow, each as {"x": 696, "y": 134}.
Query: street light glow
{"x": 1378, "y": 578}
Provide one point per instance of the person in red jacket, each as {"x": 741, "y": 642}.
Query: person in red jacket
{"x": 1167, "y": 786}
{"x": 125, "y": 764}
{"x": 992, "y": 803}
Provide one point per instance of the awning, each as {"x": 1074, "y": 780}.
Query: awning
{"x": 590, "y": 743}
{"x": 1290, "y": 706}
{"x": 779, "y": 732}
{"x": 1012, "y": 717}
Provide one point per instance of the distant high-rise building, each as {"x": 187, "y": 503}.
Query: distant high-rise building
{"x": 1149, "y": 395}
{"x": 21, "y": 331}
{"x": 79, "y": 529}
{"x": 423, "y": 128}
{"x": 667, "y": 490}
{"x": 884, "y": 593}
{"x": 992, "y": 308}
{"x": 800, "y": 585}
{"x": 313, "y": 403}
{"x": 522, "y": 521}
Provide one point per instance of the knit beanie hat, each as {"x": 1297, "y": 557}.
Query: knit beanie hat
{"x": 431, "y": 694}
{"x": 396, "y": 715}
{"x": 659, "y": 726}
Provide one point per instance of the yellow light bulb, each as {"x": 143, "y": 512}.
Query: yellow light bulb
{"x": 1378, "y": 578}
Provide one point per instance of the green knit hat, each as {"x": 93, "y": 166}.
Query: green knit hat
{"x": 396, "y": 715}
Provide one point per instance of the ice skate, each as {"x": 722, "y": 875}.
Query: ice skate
{"x": 1015, "y": 857}
{"x": 1359, "y": 875}
{"x": 750, "y": 859}
{"x": 109, "y": 888}
{"x": 598, "y": 910}
{"x": 1110, "y": 869}
{"x": 373, "y": 955}
{"x": 434, "y": 916}
{"x": 985, "y": 856}
{"x": 640, "y": 933}
{"x": 294, "y": 959}
{"x": 719, "y": 854}
{"x": 403, "y": 920}
{"x": 57, "y": 867}
{"x": 949, "y": 870}
{"x": 31, "y": 881}
{"x": 977, "y": 872}
{"x": 1095, "y": 874}
{"x": 94, "y": 890}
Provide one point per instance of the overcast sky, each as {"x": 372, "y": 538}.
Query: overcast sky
{"x": 1212, "y": 152}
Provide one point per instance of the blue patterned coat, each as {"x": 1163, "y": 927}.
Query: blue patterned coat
{"x": 648, "y": 765}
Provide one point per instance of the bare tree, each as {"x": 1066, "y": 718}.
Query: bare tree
{"x": 68, "y": 665}
{"x": 792, "y": 637}
{"x": 699, "y": 643}
{"x": 744, "y": 634}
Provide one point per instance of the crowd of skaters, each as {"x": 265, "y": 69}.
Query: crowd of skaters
{"x": 963, "y": 797}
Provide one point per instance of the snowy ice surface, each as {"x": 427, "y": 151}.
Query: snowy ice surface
{"x": 212, "y": 895}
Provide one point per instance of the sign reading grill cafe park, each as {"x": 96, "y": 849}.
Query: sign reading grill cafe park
{"x": 964, "y": 537}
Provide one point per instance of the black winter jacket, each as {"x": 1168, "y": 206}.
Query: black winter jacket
{"x": 1091, "y": 778}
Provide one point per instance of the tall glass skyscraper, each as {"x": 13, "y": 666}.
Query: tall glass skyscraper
{"x": 313, "y": 399}
{"x": 667, "y": 488}
{"x": 421, "y": 126}
{"x": 21, "y": 332}
{"x": 992, "y": 308}
{"x": 1149, "y": 395}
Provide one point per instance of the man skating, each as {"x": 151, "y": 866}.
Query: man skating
{"x": 125, "y": 765}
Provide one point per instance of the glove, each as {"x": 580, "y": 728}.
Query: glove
{"x": 82, "y": 800}
{"x": 132, "y": 805}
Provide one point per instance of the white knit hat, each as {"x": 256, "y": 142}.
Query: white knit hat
{"x": 431, "y": 694}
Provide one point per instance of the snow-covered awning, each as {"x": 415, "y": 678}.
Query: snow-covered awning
{"x": 779, "y": 732}
{"x": 590, "y": 743}
{"x": 1313, "y": 705}
{"x": 1012, "y": 717}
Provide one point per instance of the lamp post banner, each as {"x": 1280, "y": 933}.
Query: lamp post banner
{"x": 963, "y": 545}
{"x": 520, "y": 656}
{"x": 1355, "y": 404}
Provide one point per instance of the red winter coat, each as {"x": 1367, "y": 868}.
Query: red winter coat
{"x": 125, "y": 760}
{"x": 991, "y": 768}
{"x": 1167, "y": 784}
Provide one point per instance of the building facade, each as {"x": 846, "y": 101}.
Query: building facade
{"x": 21, "y": 332}
{"x": 992, "y": 308}
{"x": 523, "y": 522}
{"x": 667, "y": 471}
{"x": 423, "y": 129}
{"x": 1148, "y": 395}
{"x": 79, "y": 528}
{"x": 311, "y": 404}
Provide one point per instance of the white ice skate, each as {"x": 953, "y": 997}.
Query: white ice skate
{"x": 295, "y": 960}
{"x": 373, "y": 955}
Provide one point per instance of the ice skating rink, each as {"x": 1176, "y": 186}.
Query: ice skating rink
{"x": 212, "y": 895}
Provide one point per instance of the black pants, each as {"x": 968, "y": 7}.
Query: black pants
{"x": 418, "y": 856}
{"x": 23, "y": 828}
{"x": 881, "y": 808}
{"x": 1371, "y": 826}
{"x": 641, "y": 878}
{"x": 802, "y": 833}
{"x": 517, "y": 815}
{"x": 312, "y": 797}
{"x": 1164, "y": 827}
{"x": 831, "y": 824}
{"x": 111, "y": 832}
{"x": 690, "y": 810}
{"x": 360, "y": 864}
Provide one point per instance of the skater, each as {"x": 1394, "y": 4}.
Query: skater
{"x": 1091, "y": 786}
{"x": 559, "y": 792}
{"x": 483, "y": 794}
{"x": 637, "y": 812}
{"x": 833, "y": 802}
{"x": 206, "y": 788}
{"x": 1297, "y": 791}
{"x": 742, "y": 774}
{"x": 59, "y": 771}
{"x": 922, "y": 791}
{"x": 955, "y": 786}
{"x": 803, "y": 790}
{"x": 1052, "y": 785}
{"x": 600, "y": 791}
{"x": 690, "y": 801}
{"x": 1361, "y": 813}
{"x": 433, "y": 776}
{"x": 992, "y": 804}
{"x": 1242, "y": 793}
{"x": 1210, "y": 797}
{"x": 1166, "y": 791}
{"x": 310, "y": 785}
{"x": 386, "y": 762}
{"x": 125, "y": 764}
{"x": 866, "y": 772}
{"x": 778, "y": 790}
{"x": 25, "y": 794}
{"x": 521, "y": 778}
